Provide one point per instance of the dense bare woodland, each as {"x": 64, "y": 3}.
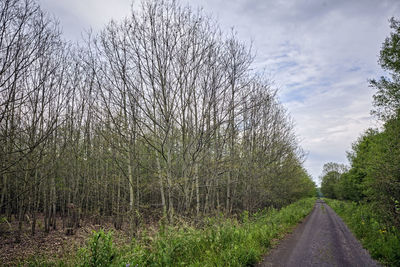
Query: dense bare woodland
{"x": 158, "y": 116}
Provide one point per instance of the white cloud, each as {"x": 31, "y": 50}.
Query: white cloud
{"x": 78, "y": 16}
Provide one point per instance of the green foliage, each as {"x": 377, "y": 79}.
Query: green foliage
{"x": 220, "y": 242}
{"x": 381, "y": 239}
{"x": 329, "y": 181}
{"x": 349, "y": 186}
{"x": 382, "y": 182}
{"x": 387, "y": 98}
{"x": 330, "y": 177}
{"x": 99, "y": 251}
{"x": 305, "y": 186}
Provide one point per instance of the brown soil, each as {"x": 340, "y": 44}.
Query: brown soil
{"x": 55, "y": 244}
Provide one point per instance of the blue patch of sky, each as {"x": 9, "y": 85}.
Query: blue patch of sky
{"x": 280, "y": 56}
{"x": 354, "y": 69}
{"x": 324, "y": 83}
{"x": 292, "y": 85}
{"x": 297, "y": 95}
{"x": 285, "y": 65}
{"x": 298, "y": 92}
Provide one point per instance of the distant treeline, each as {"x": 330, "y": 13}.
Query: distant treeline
{"x": 158, "y": 115}
{"x": 374, "y": 174}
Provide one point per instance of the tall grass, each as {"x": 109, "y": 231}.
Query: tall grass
{"x": 218, "y": 242}
{"x": 381, "y": 240}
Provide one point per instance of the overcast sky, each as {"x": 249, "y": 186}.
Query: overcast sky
{"x": 320, "y": 55}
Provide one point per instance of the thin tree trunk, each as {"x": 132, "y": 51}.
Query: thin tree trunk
{"x": 3, "y": 191}
{"x": 197, "y": 190}
{"x": 131, "y": 182}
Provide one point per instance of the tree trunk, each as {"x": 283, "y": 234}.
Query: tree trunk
{"x": 160, "y": 179}
{"x": 197, "y": 190}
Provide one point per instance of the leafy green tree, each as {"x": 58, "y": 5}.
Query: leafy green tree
{"x": 330, "y": 177}
{"x": 350, "y": 185}
{"x": 382, "y": 182}
{"x": 374, "y": 173}
{"x": 387, "y": 98}
{"x": 329, "y": 182}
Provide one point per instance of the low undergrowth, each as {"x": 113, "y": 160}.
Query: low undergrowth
{"x": 381, "y": 240}
{"x": 219, "y": 242}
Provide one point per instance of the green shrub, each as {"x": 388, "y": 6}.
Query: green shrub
{"x": 99, "y": 250}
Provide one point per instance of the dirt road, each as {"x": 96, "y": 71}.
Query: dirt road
{"x": 321, "y": 240}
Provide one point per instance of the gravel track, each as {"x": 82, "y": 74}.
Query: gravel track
{"x": 322, "y": 239}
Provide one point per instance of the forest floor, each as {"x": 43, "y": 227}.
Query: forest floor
{"x": 322, "y": 239}
{"x": 55, "y": 244}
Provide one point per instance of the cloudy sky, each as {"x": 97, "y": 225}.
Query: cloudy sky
{"x": 320, "y": 54}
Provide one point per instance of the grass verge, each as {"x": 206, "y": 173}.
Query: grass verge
{"x": 382, "y": 241}
{"x": 219, "y": 242}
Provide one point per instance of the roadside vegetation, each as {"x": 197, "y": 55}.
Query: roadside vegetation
{"x": 372, "y": 181}
{"x": 380, "y": 239}
{"x": 217, "y": 241}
